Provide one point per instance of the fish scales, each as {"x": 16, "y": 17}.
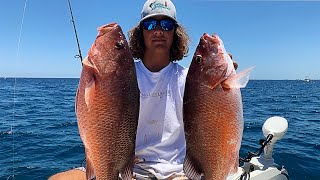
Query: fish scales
{"x": 107, "y": 105}
{"x": 213, "y": 115}
{"x": 213, "y": 131}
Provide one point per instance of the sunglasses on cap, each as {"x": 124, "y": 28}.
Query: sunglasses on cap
{"x": 151, "y": 24}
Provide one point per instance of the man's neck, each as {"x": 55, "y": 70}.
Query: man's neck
{"x": 156, "y": 60}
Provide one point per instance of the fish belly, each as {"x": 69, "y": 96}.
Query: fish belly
{"x": 108, "y": 126}
{"x": 213, "y": 121}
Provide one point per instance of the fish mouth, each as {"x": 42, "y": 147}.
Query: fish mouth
{"x": 214, "y": 39}
{"x": 111, "y": 25}
{"x": 107, "y": 28}
{"x": 211, "y": 43}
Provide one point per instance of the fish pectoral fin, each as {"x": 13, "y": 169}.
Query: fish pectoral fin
{"x": 75, "y": 103}
{"x": 89, "y": 92}
{"x": 89, "y": 169}
{"x": 87, "y": 62}
{"x": 90, "y": 84}
{"x": 238, "y": 80}
{"x": 190, "y": 169}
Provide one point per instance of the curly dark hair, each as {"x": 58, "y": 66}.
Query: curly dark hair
{"x": 179, "y": 49}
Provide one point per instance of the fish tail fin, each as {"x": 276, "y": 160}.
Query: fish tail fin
{"x": 190, "y": 169}
{"x": 238, "y": 80}
{"x": 89, "y": 169}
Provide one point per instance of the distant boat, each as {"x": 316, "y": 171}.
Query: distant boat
{"x": 307, "y": 79}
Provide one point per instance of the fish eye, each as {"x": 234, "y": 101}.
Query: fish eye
{"x": 198, "y": 58}
{"x": 119, "y": 45}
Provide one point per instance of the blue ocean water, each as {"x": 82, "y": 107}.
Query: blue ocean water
{"x": 45, "y": 139}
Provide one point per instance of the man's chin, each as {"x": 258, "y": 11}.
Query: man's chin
{"x": 160, "y": 45}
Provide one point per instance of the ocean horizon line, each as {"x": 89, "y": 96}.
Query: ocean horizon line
{"x": 20, "y": 77}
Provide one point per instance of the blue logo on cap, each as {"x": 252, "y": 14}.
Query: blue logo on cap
{"x": 156, "y": 5}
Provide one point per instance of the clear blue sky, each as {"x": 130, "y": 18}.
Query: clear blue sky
{"x": 281, "y": 39}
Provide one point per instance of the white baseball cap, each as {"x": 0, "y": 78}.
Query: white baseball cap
{"x": 158, "y": 7}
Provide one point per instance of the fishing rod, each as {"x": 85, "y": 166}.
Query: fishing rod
{"x": 75, "y": 32}
{"x": 12, "y": 131}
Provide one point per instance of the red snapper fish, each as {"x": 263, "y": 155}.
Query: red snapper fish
{"x": 107, "y": 106}
{"x": 213, "y": 114}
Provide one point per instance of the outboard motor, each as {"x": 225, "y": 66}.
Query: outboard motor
{"x": 276, "y": 127}
{"x": 257, "y": 166}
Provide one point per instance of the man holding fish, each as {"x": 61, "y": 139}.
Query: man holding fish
{"x": 161, "y": 142}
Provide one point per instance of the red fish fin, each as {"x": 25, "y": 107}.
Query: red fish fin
{"x": 89, "y": 92}
{"x": 89, "y": 169}
{"x": 75, "y": 106}
{"x": 87, "y": 62}
{"x": 238, "y": 80}
{"x": 190, "y": 169}
{"x": 126, "y": 174}
{"x": 90, "y": 84}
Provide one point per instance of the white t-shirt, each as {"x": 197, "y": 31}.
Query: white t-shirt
{"x": 160, "y": 140}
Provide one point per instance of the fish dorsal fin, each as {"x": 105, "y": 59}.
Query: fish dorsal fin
{"x": 238, "y": 80}
{"x": 89, "y": 169}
